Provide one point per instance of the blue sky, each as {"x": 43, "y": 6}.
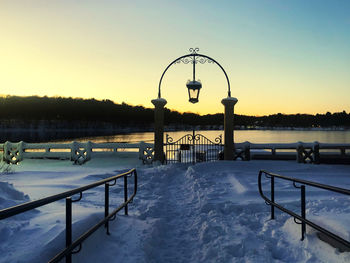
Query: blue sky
{"x": 281, "y": 56}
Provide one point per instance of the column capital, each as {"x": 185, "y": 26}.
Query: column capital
{"x": 229, "y": 101}
{"x": 159, "y": 102}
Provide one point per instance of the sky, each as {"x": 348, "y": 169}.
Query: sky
{"x": 280, "y": 56}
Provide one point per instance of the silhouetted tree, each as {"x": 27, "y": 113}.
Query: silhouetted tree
{"x": 32, "y": 111}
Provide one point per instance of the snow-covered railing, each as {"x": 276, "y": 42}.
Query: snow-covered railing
{"x": 78, "y": 152}
{"x": 302, "y": 152}
{"x": 108, "y": 216}
{"x": 333, "y": 239}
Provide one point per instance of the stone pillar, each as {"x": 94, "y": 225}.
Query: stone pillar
{"x": 159, "y": 129}
{"x": 229, "y": 149}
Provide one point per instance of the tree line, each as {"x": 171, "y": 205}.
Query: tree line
{"x": 75, "y": 111}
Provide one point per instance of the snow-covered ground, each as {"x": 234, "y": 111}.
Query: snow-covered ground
{"x": 209, "y": 212}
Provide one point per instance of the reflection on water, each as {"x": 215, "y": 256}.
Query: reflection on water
{"x": 254, "y": 136}
{"x": 28, "y": 135}
{"x": 258, "y": 136}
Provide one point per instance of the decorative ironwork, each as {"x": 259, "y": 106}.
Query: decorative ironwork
{"x": 184, "y": 60}
{"x": 218, "y": 139}
{"x": 192, "y": 148}
{"x": 168, "y": 139}
{"x": 194, "y": 50}
{"x": 194, "y": 58}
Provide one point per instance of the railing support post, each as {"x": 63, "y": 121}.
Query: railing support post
{"x": 316, "y": 150}
{"x": 68, "y": 227}
{"x": 272, "y": 197}
{"x": 126, "y": 194}
{"x": 107, "y": 206}
{"x": 300, "y": 153}
{"x": 303, "y": 225}
{"x": 194, "y": 147}
{"x": 247, "y": 151}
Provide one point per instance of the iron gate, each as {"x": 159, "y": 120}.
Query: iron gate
{"x": 193, "y": 148}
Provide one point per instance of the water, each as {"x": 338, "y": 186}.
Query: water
{"x": 253, "y": 136}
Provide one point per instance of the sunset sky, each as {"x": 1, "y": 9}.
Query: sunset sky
{"x": 280, "y": 56}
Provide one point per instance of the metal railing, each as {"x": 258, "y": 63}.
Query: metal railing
{"x": 70, "y": 245}
{"x": 302, "y": 217}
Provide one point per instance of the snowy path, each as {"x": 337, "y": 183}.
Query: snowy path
{"x": 169, "y": 240}
{"x": 213, "y": 213}
{"x": 191, "y": 221}
{"x": 210, "y": 212}
{"x": 205, "y": 220}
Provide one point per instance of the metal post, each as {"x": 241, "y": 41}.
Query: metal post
{"x": 126, "y": 194}
{"x": 300, "y": 150}
{"x": 107, "y": 206}
{"x": 303, "y": 225}
{"x": 194, "y": 68}
{"x": 247, "y": 151}
{"x": 68, "y": 227}
{"x": 316, "y": 150}
{"x": 194, "y": 150}
{"x": 272, "y": 197}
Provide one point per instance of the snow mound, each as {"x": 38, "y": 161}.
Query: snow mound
{"x": 9, "y": 196}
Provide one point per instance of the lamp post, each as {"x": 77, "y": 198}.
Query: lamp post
{"x": 194, "y": 58}
{"x": 194, "y": 88}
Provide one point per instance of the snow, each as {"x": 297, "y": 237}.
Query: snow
{"x": 208, "y": 212}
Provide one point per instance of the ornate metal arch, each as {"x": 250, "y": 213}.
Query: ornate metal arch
{"x": 194, "y": 57}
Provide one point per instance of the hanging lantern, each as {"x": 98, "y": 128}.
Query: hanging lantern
{"x": 193, "y": 90}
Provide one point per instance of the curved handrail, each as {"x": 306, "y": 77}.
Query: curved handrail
{"x": 70, "y": 246}
{"x": 11, "y": 211}
{"x": 296, "y": 216}
{"x": 318, "y": 185}
{"x": 194, "y": 55}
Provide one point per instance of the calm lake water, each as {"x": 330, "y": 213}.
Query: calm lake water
{"x": 254, "y": 136}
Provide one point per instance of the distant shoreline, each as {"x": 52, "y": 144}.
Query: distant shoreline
{"x": 35, "y": 112}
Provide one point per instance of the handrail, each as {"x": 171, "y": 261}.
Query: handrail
{"x": 70, "y": 246}
{"x": 302, "y": 217}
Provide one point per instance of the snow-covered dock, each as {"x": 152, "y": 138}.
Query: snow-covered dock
{"x": 208, "y": 212}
